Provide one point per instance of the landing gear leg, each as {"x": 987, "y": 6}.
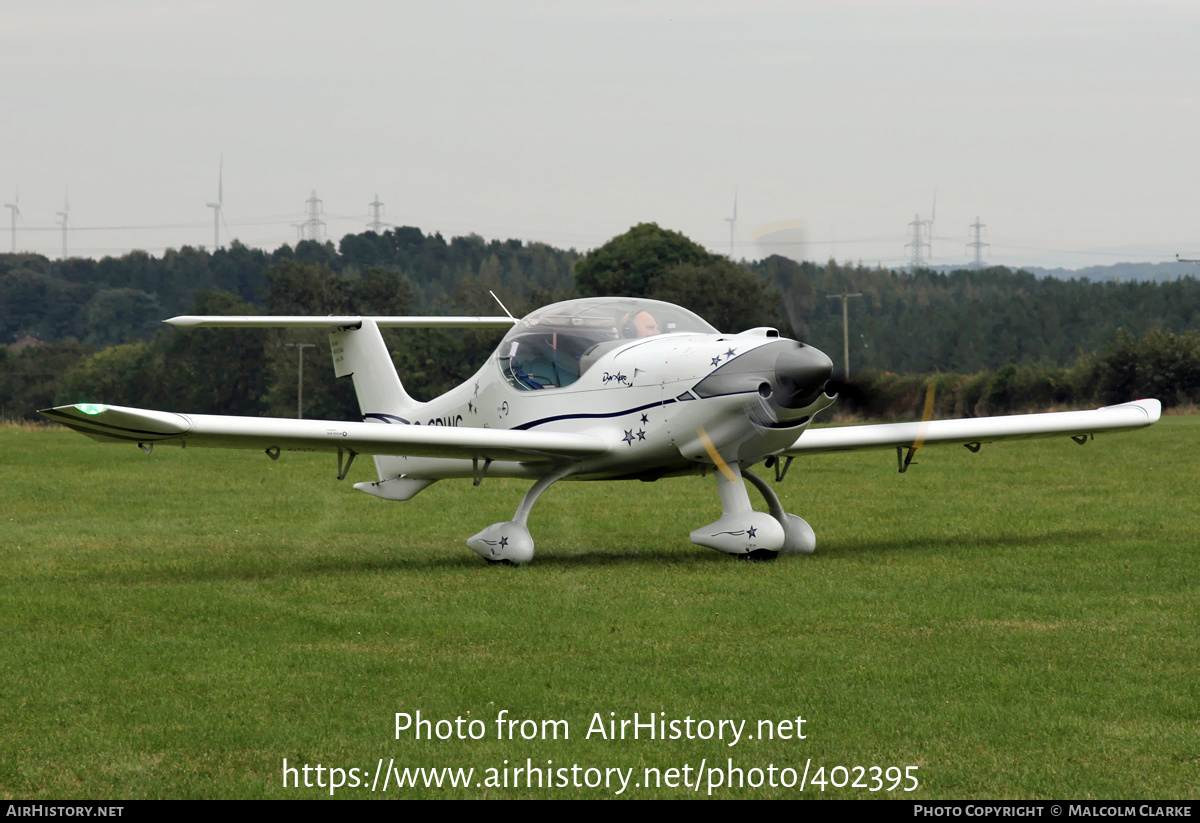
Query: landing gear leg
{"x": 799, "y": 537}
{"x": 510, "y": 541}
{"x": 741, "y": 531}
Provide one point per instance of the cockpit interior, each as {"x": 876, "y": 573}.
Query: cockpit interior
{"x": 551, "y": 347}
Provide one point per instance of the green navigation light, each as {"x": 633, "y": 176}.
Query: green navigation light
{"x": 91, "y": 408}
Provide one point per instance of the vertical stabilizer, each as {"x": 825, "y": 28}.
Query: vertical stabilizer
{"x": 361, "y": 353}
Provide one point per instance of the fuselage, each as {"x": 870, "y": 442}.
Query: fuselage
{"x": 653, "y": 399}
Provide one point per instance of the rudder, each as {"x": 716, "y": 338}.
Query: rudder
{"x": 362, "y": 355}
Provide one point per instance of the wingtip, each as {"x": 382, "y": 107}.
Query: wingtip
{"x": 1149, "y": 406}
{"x": 1152, "y": 407}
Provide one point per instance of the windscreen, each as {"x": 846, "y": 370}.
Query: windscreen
{"x": 550, "y": 347}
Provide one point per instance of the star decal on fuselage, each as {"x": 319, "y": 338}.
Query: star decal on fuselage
{"x": 716, "y": 361}
{"x": 628, "y": 438}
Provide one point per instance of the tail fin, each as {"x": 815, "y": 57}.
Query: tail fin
{"x": 361, "y": 354}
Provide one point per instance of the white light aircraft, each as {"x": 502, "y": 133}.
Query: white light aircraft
{"x": 607, "y": 388}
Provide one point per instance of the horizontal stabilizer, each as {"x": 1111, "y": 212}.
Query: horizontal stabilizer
{"x": 336, "y": 322}
{"x": 122, "y": 424}
{"x": 1126, "y": 416}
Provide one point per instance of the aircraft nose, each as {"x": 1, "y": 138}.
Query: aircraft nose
{"x": 786, "y": 374}
{"x": 800, "y": 375}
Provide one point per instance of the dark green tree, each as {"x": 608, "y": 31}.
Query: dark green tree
{"x": 125, "y": 375}
{"x": 295, "y": 288}
{"x": 629, "y": 264}
{"x": 29, "y": 378}
{"x": 381, "y": 292}
{"x": 726, "y": 295}
{"x": 116, "y": 315}
{"x": 214, "y": 370}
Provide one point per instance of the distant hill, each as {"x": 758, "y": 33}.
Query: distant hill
{"x": 1126, "y": 272}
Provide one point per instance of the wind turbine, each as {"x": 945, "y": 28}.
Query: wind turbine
{"x": 216, "y": 207}
{"x": 732, "y": 221}
{"x": 15, "y": 208}
{"x": 64, "y": 214}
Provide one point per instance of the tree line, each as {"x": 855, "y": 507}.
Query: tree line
{"x": 992, "y": 340}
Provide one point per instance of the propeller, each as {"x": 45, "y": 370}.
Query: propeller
{"x": 784, "y": 383}
{"x": 854, "y": 397}
{"x": 919, "y": 441}
{"x": 716, "y": 456}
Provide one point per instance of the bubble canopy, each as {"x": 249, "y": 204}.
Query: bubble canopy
{"x": 551, "y": 347}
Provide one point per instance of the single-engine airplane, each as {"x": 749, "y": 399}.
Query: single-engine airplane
{"x": 609, "y": 388}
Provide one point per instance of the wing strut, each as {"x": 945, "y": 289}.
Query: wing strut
{"x": 921, "y": 432}
{"x": 904, "y": 460}
{"x": 343, "y": 472}
{"x": 477, "y": 474}
{"x": 781, "y": 468}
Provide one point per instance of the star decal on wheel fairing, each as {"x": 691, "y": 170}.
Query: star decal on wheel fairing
{"x": 628, "y": 438}
{"x": 750, "y": 532}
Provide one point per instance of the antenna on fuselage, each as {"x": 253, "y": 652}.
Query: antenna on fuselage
{"x": 506, "y": 311}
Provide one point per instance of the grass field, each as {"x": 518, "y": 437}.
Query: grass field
{"x": 1020, "y": 623}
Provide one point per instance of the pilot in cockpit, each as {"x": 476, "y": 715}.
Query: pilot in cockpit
{"x": 639, "y": 324}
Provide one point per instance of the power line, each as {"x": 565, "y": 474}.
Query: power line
{"x": 376, "y": 225}
{"x": 845, "y": 329}
{"x": 313, "y": 227}
{"x": 977, "y": 244}
{"x": 919, "y": 244}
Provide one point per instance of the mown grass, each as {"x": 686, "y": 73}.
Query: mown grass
{"x": 1019, "y": 623}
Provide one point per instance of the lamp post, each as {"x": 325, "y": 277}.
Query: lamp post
{"x": 300, "y": 377}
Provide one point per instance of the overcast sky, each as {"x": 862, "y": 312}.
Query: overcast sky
{"x": 1070, "y": 129}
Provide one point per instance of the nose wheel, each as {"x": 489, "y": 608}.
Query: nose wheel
{"x": 740, "y": 530}
{"x": 745, "y": 533}
{"x": 799, "y": 537}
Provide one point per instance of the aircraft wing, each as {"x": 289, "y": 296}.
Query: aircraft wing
{"x": 120, "y": 424}
{"x": 976, "y": 430}
{"x": 335, "y": 321}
